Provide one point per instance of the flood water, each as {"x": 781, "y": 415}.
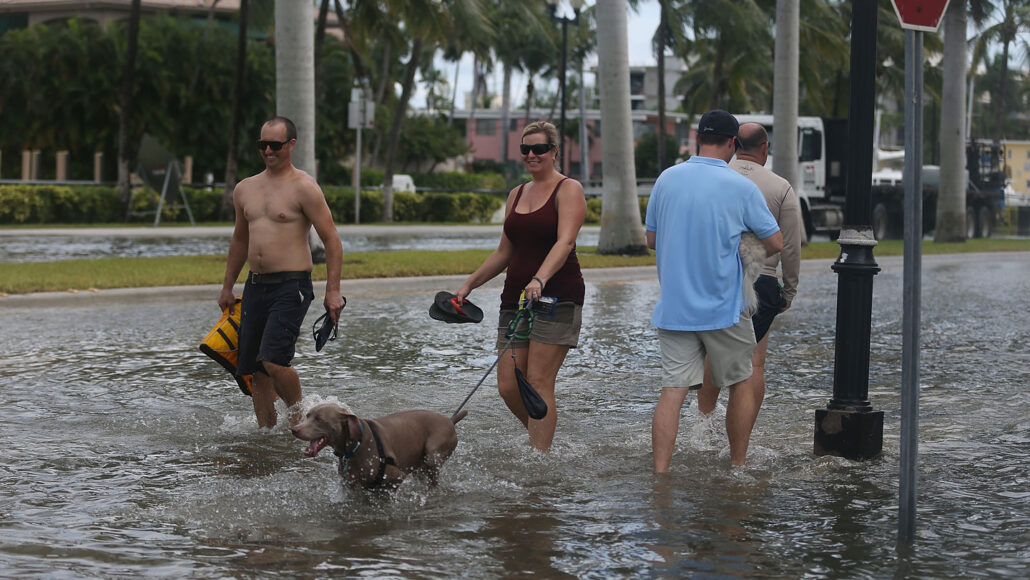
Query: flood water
{"x": 127, "y": 453}
{"x": 49, "y": 245}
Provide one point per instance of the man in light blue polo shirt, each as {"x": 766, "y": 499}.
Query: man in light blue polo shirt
{"x": 695, "y": 216}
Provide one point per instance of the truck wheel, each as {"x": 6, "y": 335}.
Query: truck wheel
{"x": 986, "y": 222}
{"x": 881, "y": 221}
{"x": 970, "y": 223}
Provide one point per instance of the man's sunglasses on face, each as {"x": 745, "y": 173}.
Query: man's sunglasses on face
{"x": 537, "y": 149}
{"x": 275, "y": 145}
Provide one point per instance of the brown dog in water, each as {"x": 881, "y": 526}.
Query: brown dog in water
{"x": 380, "y": 453}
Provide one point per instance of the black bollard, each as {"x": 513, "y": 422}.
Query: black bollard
{"x": 849, "y": 427}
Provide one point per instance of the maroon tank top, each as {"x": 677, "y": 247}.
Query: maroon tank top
{"x": 532, "y": 236}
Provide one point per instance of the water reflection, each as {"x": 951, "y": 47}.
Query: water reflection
{"x": 55, "y": 245}
{"x": 127, "y": 453}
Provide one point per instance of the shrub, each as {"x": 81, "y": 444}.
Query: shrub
{"x": 594, "y": 210}
{"x": 21, "y": 204}
{"x": 41, "y": 204}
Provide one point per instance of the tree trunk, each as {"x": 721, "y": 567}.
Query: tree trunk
{"x": 470, "y": 121}
{"x": 529, "y": 97}
{"x": 718, "y": 82}
{"x": 454, "y": 91}
{"x": 785, "y": 91}
{"x": 999, "y": 106}
{"x": 951, "y": 197}
{"x": 323, "y": 13}
{"x": 360, "y": 68}
{"x": 663, "y": 24}
{"x": 395, "y": 128}
{"x": 621, "y": 228}
{"x": 227, "y": 212}
{"x": 125, "y": 110}
{"x": 505, "y": 116}
{"x": 295, "y": 87}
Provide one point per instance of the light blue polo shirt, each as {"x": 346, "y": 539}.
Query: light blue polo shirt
{"x": 698, "y": 210}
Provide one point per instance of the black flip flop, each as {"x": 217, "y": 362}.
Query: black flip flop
{"x": 447, "y": 308}
{"x": 324, "y": 330}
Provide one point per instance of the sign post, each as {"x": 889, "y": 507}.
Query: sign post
{"x": 360, "y": 115}
{"x": 916, "y": 16}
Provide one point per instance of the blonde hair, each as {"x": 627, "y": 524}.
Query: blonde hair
{"x": 549, "y": 130}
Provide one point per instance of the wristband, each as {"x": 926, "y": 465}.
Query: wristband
{"x": 540, "y": 281}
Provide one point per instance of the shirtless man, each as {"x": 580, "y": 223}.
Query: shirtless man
{"x": 274, "y": 211}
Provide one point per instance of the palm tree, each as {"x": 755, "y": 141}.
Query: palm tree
{"x": 235, "y": 115}
{"x": 728, "y": 55}
{"x": 1015, "y": 17}
{"x": 951, "y": 198}
{"x": 125, "y": 110}
{"x": 429, "y": 25}
{"x": 295, "y": 87}
{"x": 510, "y": 19}
{"x": 295, "y": 75}
{"x": 785, "y": 90}
{"x": 670, "y": 34}
{"x": 621, "y": 229}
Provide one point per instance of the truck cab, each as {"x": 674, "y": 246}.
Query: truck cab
{"x": 822, "y": 177}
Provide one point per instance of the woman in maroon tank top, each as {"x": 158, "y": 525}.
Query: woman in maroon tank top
{"x": 538, "y": 249}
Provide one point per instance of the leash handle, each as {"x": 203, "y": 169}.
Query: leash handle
{"x": 511, "y": 336}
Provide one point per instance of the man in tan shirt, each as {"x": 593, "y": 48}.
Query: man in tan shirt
{"x": 772, "y": 299}
{"x": 275, "y": 209}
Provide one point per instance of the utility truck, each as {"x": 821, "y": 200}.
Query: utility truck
{"x": 822, "y": 172}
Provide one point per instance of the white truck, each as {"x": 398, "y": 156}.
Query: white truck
{"x": 822, "y": 171}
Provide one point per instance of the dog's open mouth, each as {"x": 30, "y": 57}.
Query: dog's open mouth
{"x": 316, "y": 446}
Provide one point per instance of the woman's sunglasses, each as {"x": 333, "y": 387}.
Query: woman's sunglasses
{"x": 537, "y": 149}
{"x": 274, "y": 145}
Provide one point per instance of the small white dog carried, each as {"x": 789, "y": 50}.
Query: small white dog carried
{"x": 752, "y": 258}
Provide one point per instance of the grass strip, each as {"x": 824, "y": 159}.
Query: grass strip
{"x": 24, "y": 277}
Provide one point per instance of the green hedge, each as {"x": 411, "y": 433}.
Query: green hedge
{"x": 594, "y": 209}
{"x": 52, "y": 204}
{"x": 459, "y": 180}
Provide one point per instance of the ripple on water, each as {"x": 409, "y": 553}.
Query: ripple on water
{"x": 128, "y": 453}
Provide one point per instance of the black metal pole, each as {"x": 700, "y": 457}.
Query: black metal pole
{"x": 561, "y": 74}
{"x": 849, "y": 427}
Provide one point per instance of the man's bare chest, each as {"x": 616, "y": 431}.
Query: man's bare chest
{"x": 273, "y": 206}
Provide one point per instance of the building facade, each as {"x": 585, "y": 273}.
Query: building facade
{"x": 1016, "y": 155}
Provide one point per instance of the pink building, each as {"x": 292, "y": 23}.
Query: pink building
{"x": 483, "y": 134}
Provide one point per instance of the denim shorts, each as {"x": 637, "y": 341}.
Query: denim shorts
{"x": 270, "y": 322}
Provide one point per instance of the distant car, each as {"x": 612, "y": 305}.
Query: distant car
{"x": 403, "y": 183}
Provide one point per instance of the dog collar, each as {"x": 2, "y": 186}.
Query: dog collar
{"x": 350, "y": 452}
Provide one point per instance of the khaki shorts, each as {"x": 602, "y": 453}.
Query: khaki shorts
{"x": 561, "y": 329}
{"x": 728, "y": 350}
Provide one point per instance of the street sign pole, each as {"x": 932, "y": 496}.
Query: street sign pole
{"x": 356, "y": 120}
{"x": 916, "y": 16}
{"x": 912, "y": 284}
{"x": 357, "y": 174}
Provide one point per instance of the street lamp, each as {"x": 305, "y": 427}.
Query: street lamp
{"x": 552, "y": 9}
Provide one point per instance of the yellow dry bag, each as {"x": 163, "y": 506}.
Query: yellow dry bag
{"x": 222, "y": 344}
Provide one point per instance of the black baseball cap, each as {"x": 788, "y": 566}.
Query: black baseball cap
{"x": 718, "y": 122}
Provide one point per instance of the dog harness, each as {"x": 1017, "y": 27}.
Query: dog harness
{"x": 383, "y": 459}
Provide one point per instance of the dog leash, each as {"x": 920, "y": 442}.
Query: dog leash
{"x": 511, "y": 335}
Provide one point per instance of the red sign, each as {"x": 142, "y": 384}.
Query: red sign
{"x": 920, "y": 14}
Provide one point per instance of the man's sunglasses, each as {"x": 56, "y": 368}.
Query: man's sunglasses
{"x": 537, "y": 149}
{"x": 275, "y": 145}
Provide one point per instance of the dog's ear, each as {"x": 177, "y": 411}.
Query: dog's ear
{"x": 353, "y": 427}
